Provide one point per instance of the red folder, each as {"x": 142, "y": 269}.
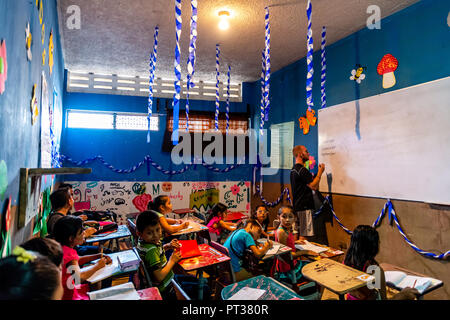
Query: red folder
{"x": 189, "y": 248}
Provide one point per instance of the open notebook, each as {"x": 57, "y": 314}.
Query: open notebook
{"x": 248, "y": 293}
{"x": 401, "y": 280}
{"x": 125, "y": 291}
{"x": 311, "y": 247}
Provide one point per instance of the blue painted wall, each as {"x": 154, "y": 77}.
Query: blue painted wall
{"x": 417, "y": 36}
{"x": 126, "y": 148}
{"x": 19, "y": 140}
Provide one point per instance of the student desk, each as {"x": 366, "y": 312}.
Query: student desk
{"x": 121, "y": 232}
{"x": 274, "y": 289}
{"x": 390, "y": 267}
{"x": 150, "y": 294}
{"x": 209, "y": 257}
{"x": 335, "y": 276}
{"x": 283, "y": 253}
{"x": 235, "y": 216}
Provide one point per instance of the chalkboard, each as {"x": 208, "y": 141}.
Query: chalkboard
{"x": 394, "y": 145}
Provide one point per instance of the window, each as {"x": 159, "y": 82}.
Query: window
{"x": 110, "y": 120}
{"x": 205, "y": 122}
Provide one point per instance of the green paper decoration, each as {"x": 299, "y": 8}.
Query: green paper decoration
{"x": 3, "y": 178}
{"x": 44, "y": 210}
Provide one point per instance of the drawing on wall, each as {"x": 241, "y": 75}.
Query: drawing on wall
{"x": 357, "y": 73}
{"x": 130, "y": 196}
{"x": 3, "y": 179}
{"x": 386, "y": 68}
{"x": 34, "y": 105}
{"x": 3, "y": 66}
{"x": 307, "y": 121}
{"x": 28, "y": 42}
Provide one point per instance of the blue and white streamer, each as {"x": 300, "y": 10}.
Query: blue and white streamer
{"x": 309, "y": 59}
{"x": 177, "y": 83}
{"x": 276, "y": 202}
{"x": 192, "y": 57}
{"x": 153, "y": 58}
{"x": 263, "y": 106}
{"x": 267, "y": 66}
{"x": 216, "y": 119}
{"x": 228, "y": 99}
{"x": 323, "y": 96}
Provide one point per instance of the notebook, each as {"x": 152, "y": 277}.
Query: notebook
{"x": 125, "y": 291}
{"x": 311, "y": 247}
{"x": 247, "y": 293}
{"x": 189, "y": 248}
{"x": 401, "y": 280}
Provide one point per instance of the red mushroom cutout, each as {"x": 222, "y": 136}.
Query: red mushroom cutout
{"x": 386, "y": 68}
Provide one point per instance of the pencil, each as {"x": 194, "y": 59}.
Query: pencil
{"x": 414, "y": 285}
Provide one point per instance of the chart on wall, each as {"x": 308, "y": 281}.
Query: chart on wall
{"x": 125, "y": 197}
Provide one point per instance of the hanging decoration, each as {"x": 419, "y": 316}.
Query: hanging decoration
{"x": 50, "y": 52}
{"x": 386, "y": 68}
{"x": 192, "y": 57}
{"x": 6, "y": 234}
{"x": 263, "y": 74}
{"x": 267, "y": 66}
{"x": 34, "y": 105}
{"x": 153, "y": 59}
{"x": 307, "y": 121}
{"x": 28, "y": 42}
{"x": 357, "y": 74}
{"x": 323, "y": 78}
{"x": 177, "y": 83}
{"x": 41, "y": 12}
{"x": 276, "y": 202}
{"x": 228, "y": 99}
{"x": 217, "y": 87}
{"x": 3, "y": 66}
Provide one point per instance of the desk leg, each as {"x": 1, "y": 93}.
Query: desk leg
{"x": 201, "y": 281}
{"x": 342, "y": 297}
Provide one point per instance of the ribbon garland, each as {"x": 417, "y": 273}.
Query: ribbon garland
{"x": 276, "y": 202}
{"x": 228, "y": 99}
{"x": 177, "y": 83}
{"x": 153, "y": 58}
{"x": 323, "y": 96}
{"x": 217, "y": 87}
{"x": 309, "y": 59}
{"x": 192, "y": 57}
{"x": 263, "y": 74}
{"x": 267, "y": 66}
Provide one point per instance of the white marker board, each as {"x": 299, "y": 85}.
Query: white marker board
{"x": 403, "y": 148}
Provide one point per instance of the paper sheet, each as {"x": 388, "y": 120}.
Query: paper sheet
{"x": 273, "y": 250}
{"x": 247, "y": 293}
{"x": 125, "y": 291}
{"x": 309, "y": 246}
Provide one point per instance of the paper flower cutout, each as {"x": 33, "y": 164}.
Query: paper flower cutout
{"x": 310, "y": 163}
{"x": 29, "y": 39}
{"x": 235, "y": 189}
{"x": 50, "y": 52}
{"x": 3, "y": 66}
{"x": 386, "y": 68}
{"x": 43, "y": 34}
{"x": 34, "y": 106}
{"x": 357, "y": 73}
{"x": 23, "y": 255}
{"x": 41, "y": 12}
{"x": 309, "y": 120}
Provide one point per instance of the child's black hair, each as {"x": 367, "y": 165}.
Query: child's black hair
{"x": 145, "y": 219}
{"x": 288, "y": 206}
{"x": 254, "y": 223}
{"x": 59, "y": 198}
{"x": 65, "y": 185}
{"x": 67, "y": 227}
{"x": 266, "y": 221}
{"x": 35, "y": 280}
{"x": 46, "y": 247}
{"x": 157, "y": 202}
{"x": 218, "y": 207}
{"x": 364, "y": 246}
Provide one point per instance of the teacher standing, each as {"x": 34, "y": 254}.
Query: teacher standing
{"x": 305, "y": 195}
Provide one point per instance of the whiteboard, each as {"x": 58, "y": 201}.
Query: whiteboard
{"x": 401, "y": 150}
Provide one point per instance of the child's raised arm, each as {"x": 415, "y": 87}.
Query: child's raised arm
{"x": 226, "y": 225}
{"x": 171, "y": 229}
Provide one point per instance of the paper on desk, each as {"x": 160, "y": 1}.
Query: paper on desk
{"x": 311, "y": 247}
{"x": 274, "y": 249}
{"x": 247, "y": 293}
{"x": 124, "y": 291}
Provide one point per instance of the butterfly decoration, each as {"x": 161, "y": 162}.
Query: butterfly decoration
{"x": 50, "y": 52}
{"x": 357, "y": 73}
{"x": 3, "y": 66}
{"x": 34, "y": 106}
{"x": 29, "y": 39}
{"x": 41, "y": 11}
{"x": 307, "y": 121}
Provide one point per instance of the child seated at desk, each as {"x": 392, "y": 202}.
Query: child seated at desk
{"x": 243, "y": 239}
{"x": 364, "y": 246}
{"x": 261, "y": 214}
{"x": 68, "y": 231}
{"x": 46, "y": 247}
{"x": 162, "y": 205}
{"x": 28, "y": 275}
{"x": 216, "y": 225}
{"x": 284, "y": 235}
{"x": 152, "y": 252}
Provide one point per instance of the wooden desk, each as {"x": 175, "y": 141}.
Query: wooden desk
{"x": 391, "y": 267}
{"x": 150, "y": 294}
{"x": 274, "y": 289}
{"x": 209, "y": 257}
{"x": 334, "y": 276}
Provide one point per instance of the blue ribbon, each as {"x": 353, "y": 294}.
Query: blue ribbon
{"x": 216, "y": 120}
{"x": 228, "y": 99}
{"x": 309, "y": 59}
{"x": 177, "y": 83}
{"x": 153, "y": 58}
{"x": 192, "y": 57}
{"x": 323, "y": 96}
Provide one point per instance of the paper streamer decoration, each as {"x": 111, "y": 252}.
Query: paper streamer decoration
{"x": 28, "y": 42}
{"x": 267, "y": 66}
{"x": 153, "y": 59}
{"x": 263, "y": 74}
{"x": 323, "y": 78}
{"x": 192, "y": 57}
{"x": 3, "y": 66}
{"x": 3, "y": 179}
{"x": 228, "y": 99}
{"x": 6, "y": 234}
{"x": 50, "y": 52}
{"x": 309, "y": 59}
{"x": 177, "y": 83}
{"x": 217, "y": 87}
{"x": 276, "y": 202}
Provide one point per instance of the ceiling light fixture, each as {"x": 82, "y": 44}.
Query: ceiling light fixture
{"x": 223, "y": 23}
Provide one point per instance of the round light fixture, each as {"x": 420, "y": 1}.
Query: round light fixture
{"x": 223, "y": 23}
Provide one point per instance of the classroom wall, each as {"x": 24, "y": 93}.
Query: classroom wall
{"x": 419, "y": 37}
{"x": 19, "y": 139}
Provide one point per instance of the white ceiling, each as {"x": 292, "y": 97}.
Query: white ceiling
{"x": 116, "y": 36}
